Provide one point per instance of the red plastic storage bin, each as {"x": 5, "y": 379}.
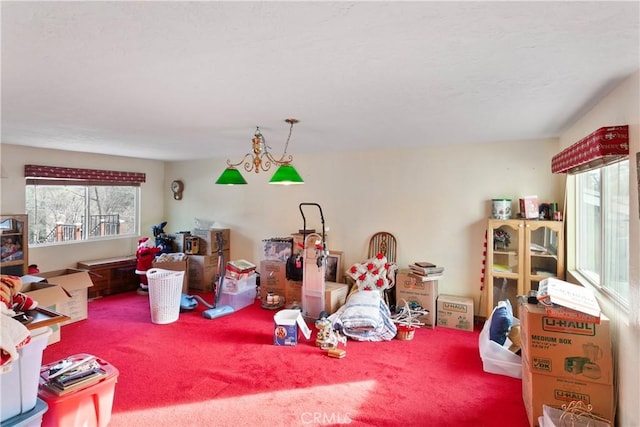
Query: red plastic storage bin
{"x": 86, "y": 407}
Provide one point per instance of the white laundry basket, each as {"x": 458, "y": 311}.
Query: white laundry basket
{"x": 165, "y": 289}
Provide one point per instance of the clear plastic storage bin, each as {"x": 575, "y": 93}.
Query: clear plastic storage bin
{"x": 19, "y": 380}
{"x": 32, "y": 418}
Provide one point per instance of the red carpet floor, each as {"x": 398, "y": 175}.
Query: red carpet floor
{"x": 227, "y": 372}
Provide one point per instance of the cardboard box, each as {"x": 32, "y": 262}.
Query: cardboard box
{"x": 237, "y": 267}
{"x": 203, "y": 270}
{"x": 529, "y": 207}
{"x": 455, "y": 312}
{"x": 48, "y": 296}
{"x": 335, "y": 296}
{"x": 287, "y": 324}
{"x": 176, "y": 266}
{"x": 207, "y": 244}
{"x": 277, "y": 249}
{"x": 178, "y": 240}
{"x": 298, "y": 244}
{"x": 293, "y": 293}
{"x": 273, "y": 278}
{"x": 76, "y": 284}
{"x": 539, "y": 390}
{"x": 564, "y": 348}
{"x": 422, "y": 293}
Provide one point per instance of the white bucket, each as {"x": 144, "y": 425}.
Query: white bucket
{"x": 501, "y": 208}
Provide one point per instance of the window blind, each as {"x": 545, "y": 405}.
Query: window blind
{"x": 37, "y": 174}
{"x": 605, "y": 145}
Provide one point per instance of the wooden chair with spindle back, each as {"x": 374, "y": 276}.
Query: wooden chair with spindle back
{"x": 386, "y": 244}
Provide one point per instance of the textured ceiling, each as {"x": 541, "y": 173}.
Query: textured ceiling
{"x": 188, "y": 80}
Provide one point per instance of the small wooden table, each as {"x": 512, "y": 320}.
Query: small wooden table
{"x": 111, "y": 275}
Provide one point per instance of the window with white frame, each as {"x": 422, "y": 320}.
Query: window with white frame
{"x": 602, "y": 228}
{"x": 68, "y": 204}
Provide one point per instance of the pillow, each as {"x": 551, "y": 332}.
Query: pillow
{"x": 373, "y": 274}
{"x": 501, "y": 321}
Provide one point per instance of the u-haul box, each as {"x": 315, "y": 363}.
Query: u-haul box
{"x": 566, "y": 348}
{"x": 455, "y": 312}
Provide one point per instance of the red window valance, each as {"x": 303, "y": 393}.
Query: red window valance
{"x": 76, "y": 174}
{"x": 603, "y": 146}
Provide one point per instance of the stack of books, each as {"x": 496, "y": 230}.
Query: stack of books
{"x": 425, "y": 270}
{"x": 67, "y": 375}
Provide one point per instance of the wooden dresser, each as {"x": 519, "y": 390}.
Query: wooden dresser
{"x": 111, "y": 275}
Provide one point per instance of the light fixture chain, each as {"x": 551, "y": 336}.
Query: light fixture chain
{"x": 286, "y": 145}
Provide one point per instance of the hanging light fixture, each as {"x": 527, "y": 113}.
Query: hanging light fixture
{"x": 260, "y": 158}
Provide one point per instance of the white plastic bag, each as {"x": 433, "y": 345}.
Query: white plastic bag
{"x": 496, "y": 358}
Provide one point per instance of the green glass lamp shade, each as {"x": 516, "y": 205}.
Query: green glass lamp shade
{"x": 231, "y": 176}
{"x": 286, "y": 175}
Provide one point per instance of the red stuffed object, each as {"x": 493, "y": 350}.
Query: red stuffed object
{"x": 145, "y": 255}
{"x": 11, "y": 296}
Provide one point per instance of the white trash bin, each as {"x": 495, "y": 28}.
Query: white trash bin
{"x": 165, "y": 291}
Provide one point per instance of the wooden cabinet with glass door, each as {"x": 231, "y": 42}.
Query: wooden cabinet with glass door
{"x": 14, "y": 258}
{"x": 521, "y": 253}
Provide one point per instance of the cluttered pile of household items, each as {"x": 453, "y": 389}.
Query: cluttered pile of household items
{"x": 302, "y": 282}
{"x": 80, "y": 387}
{"x": 560, "y": 346}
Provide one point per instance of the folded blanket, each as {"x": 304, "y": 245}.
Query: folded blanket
{"x": 365, "y": 317}
{"x": 13, "y": 336}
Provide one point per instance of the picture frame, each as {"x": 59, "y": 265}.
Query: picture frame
{"x": 334, "y": 269}
{"x": 9, "y": 226}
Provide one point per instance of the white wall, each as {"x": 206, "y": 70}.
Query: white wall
{"x": 434, "y": 200}
{"x": 67, "y": 255}
{"x": 619, "y": 108}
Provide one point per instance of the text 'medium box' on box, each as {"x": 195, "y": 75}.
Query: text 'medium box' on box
{"x": 566, "y": 348}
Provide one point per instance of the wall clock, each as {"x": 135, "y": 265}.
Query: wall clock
{"x": 177, "y": 187}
